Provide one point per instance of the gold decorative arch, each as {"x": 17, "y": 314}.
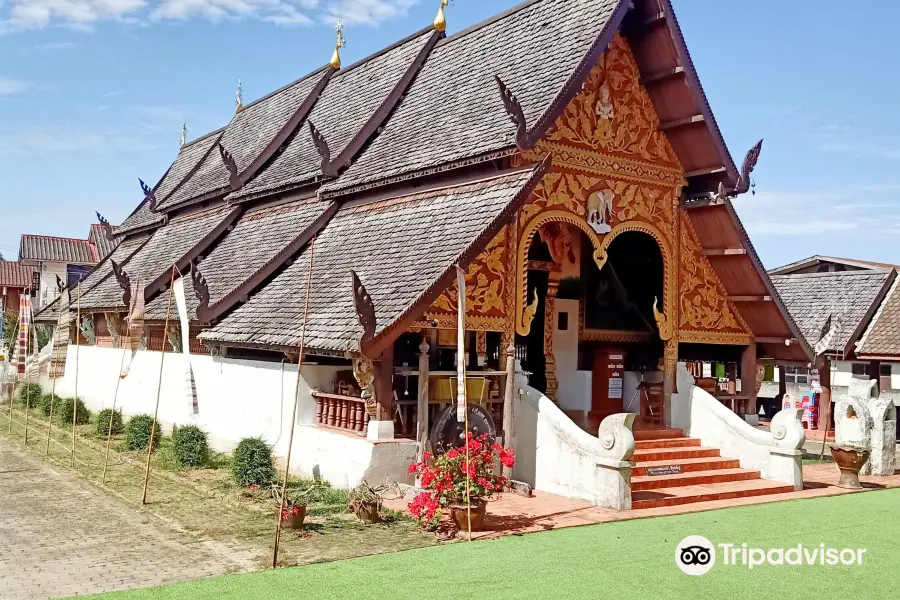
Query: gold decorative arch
{"x": 525, "y": 312}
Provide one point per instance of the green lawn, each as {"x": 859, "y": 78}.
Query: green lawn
{"x": 633, "y": 559}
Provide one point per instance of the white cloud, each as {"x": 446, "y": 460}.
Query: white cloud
{"x": 84, "y": 14}
{"x": 870, "y": 209}
{"x": 12, "y": 87}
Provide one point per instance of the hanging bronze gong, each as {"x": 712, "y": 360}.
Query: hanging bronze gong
{"x": 448, "y": 432}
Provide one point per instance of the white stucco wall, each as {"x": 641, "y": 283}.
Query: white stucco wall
{"x": 236, "y": 399}
{"x": 574, "y": 391}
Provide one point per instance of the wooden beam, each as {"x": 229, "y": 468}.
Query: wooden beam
{"x": 661, "y": 75}
{"x": 706, "y": 171}
{"x": 749, "y": 298}
{"x": 761, "y": 339}
{"x": 724, "y": 252}
{"x": 655, "y": 18}
{"x": 666, "y": 126}
{"x": 701, "y": 203}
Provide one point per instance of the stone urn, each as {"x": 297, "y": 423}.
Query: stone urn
{"x": 849, "y": 460}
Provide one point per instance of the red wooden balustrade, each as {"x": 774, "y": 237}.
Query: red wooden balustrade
{"x": 343, "y": 412}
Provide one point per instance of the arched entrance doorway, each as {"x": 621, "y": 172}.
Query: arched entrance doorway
{"x": 596, "y": 314}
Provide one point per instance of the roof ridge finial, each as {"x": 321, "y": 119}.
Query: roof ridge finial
{"x": 239, "y": 98}
{"x": 440, "y": 22}
{"x": 335, "y": 61}
{"x": 184, "y": 131}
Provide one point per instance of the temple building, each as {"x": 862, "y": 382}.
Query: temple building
{"x": 563, "y": 154}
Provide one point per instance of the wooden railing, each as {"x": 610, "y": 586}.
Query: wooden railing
{"x": 343, "y": 412}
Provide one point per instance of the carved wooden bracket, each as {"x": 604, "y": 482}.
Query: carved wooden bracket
{"x": 107, "y": 228}
{"x": 321, "y": 144}
{"x": 124, "y": 282}
{"x": 365, "y": 311}
{"x": 743, "y": 182}
{"x": 514, "y": 109}
{"x": 234, "y": 178}
{"x": 202, "y": 291}
{"x": 149, "y": 195}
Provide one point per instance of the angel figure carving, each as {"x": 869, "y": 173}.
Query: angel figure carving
{"x": 600, "y": 210}
{"x": 605, "y": 113}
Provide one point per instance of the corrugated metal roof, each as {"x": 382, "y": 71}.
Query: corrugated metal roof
{"x": 13, "y": 274}
{"x": 48, "y": 248}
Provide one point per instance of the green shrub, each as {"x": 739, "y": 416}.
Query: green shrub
{"x": 253, "y": 463}
{"x": 137, "y": 432}
{"x": 103, "y": 425}
{"x": 190, "y": 446}
{"x": 30, "y": 393}
{"x": 46, "y": 401}
{"x": 62, "y": 412}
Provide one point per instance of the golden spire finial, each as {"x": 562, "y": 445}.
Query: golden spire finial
{"x": 440, "y": 22}
{"x": 336, "y": 57}
{"x": 239, "y": 98}
{"x": 184, "y": 131}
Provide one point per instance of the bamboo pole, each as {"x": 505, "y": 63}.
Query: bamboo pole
{"x": 52, "y": 400}
{"x": 113, "y": 414}
{"x": 287, "y": 463}
{"x": 162, "y": 361}
{"x": 27, "y": 391}
{"x": 77, "y": 368}
{"x": 461, "y": 386}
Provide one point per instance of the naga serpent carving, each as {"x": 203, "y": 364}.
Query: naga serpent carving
{"x": 324, "y": 151}
{"x": 234, "y": 178}
{"x": 107, "y": 228}
{"x": 124, "y": 282}
{"x": 149, "y": 195}
{"x": 743, "y": 182}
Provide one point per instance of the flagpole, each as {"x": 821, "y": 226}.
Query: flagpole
{"x": 162, "y": 360}
{"x": 27, "y": 390}
{"x": 77, "y": 368}
{"x": 12, "y": 383}
{"x": 287, "y": 463}
{"x": 462, "y": 407}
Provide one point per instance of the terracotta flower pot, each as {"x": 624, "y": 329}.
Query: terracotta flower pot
{"x": 295, "y": 521}
{"x": 367, "y": 511}
{"x": 460, "y": 516}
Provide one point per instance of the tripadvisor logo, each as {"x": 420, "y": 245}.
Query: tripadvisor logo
{"x": 696, "y": 555}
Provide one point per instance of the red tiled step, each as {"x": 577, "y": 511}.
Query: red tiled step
{"x": 675, "y": 496}
{"x": 656, "y": 433}
{"x": 641, "y": 456}
{"x": 688, "y": 465}
{"x": 678, "y": 442}
{"x": 653, "y": 482}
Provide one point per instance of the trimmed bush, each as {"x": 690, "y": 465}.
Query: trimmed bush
{"x": 30, "y": 394}
{"x": 62, "y": 412}
{"x": 137, "y": 432}
{"x": 103, "y": 426}
{"x": 253, "y": 463}
{"x": 190, "y": 446}
{"x": 46, "y": 400}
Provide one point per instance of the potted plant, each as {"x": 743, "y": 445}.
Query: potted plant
{"x": 458, "y": 486}
{"x": 293, "y": 512}
{"x": 365, "y": 501}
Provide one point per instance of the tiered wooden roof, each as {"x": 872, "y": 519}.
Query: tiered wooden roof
{"x": 428, "y": 113}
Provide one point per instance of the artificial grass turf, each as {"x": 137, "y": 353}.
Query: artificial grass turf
{"x": 625, "y": 559}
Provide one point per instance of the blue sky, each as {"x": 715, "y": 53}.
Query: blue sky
{"x": 93, "y": 94}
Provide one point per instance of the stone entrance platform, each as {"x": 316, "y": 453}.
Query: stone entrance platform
{"x": 514, "y": 514}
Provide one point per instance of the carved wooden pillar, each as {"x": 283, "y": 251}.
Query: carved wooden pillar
{"x": 549, "y": 326}
{"x": 422, "y": 407}
{"x": 670, "y": 368}
{"x": 748, "y": 376}
{"x": 825, "y": 405}
{"x": 384, "y": 385}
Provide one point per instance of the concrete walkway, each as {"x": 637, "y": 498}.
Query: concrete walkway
{"x": 61, "y": 536}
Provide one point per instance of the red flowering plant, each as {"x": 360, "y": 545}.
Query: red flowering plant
{"x": 445, "y": 481}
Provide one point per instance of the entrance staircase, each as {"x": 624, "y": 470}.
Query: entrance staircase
{"x": 672, "y": 469}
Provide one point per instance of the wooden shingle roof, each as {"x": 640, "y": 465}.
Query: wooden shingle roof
{"x": 98, "y": 238}
{"x": 453, "y": 110}
{"x": 385, "y": 242}
{"x": 882, "y": 336}
{"x": 355, "y": 102}
{"x": 852, "y": 295}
